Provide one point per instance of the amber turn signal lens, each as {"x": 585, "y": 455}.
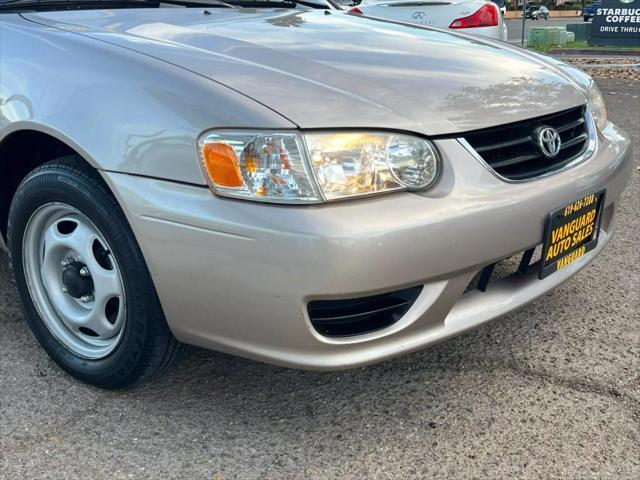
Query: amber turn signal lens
{"x": 221, "y": 163}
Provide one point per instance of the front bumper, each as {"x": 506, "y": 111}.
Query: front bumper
{"x": 237, "y": 276}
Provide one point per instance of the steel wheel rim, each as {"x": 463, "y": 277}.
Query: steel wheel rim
{"x": 59, "y": 244}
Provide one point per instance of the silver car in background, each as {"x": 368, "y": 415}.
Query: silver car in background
{"x": 285, "y": 181}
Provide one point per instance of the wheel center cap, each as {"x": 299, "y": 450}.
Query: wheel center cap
{"x": 77, "y": 286}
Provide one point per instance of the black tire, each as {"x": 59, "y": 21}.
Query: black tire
{"x": 146, "y": 347}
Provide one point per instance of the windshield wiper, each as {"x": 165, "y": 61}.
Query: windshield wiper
{"x": 18, "y": 5}
{"x": 281, "y": 3}
{"x": 197, "y": 3}
{"x": 77, "y": 4}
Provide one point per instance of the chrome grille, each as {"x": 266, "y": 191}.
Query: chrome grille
{"x": 512, "y": 150}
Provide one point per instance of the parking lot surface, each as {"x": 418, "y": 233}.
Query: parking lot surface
{"x": 551, "y": 391}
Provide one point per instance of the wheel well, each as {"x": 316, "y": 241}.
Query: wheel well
{"x": 20, "y": 153}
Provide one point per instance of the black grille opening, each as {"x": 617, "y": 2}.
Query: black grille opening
{"x": 356, "y": 316}
{"x": 512, "y": 150}
{"x": 521, "y": 263}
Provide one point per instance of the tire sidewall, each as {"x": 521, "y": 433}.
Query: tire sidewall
{"x": 61, "y": 186}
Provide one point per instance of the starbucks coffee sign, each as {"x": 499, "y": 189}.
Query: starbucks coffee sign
{"x": 616, "y": 22}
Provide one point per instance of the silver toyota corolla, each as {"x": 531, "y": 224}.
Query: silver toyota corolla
{"x": 284, "y": 181}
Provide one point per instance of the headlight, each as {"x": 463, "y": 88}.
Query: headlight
{"x": 258, "y": 166}
{"x": 596, "y": 105}
{"x": 584, "y": 82}
{"x": 289, "y": 167}
{"x": 353, "y": 164}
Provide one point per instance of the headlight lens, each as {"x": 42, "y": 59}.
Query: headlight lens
{"x": 353, "y": 164}
{"x": 294, "y": 168}
{"x": 258, "y": 166}
{"x": 596, "y": 106}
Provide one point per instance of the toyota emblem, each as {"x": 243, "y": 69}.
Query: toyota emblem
{"x": 549, "y": 141}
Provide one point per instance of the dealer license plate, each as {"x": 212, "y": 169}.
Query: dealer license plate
{"x": 571, "y": 232}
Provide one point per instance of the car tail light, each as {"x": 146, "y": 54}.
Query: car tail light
{"x": 485, "y": 16}
{"x": 356, "y": 11}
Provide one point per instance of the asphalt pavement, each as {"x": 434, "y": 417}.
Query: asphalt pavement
{"x": 514, "y": 27}
{"x": 550, "y": 391}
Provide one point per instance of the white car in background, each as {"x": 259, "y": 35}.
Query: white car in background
{"x": 478, "y": 17}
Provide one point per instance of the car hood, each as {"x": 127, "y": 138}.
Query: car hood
{"x": 326, "y": 70}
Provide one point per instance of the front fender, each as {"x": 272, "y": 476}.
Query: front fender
{"x": 121, "y": 110}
